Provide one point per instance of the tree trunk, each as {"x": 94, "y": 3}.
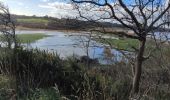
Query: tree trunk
{"x": 138, "y": 67}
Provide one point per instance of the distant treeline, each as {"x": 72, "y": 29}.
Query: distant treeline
{"x": 47, "y": 22}
{"x": 60, "y": 24}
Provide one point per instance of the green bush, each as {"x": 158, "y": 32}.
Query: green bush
{"x": 35, "y": 74}
{"x": 36, "y": 69}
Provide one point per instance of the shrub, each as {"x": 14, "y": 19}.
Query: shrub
{"x": 36, "y": 69}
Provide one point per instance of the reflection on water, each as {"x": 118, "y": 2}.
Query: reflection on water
{"x": 69, "y": 44}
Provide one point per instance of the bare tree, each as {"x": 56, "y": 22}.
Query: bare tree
{"x": 142, "y": 17}
{"x": 7, "y": 26}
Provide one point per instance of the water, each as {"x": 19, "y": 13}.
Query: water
{"x": 68, "y": 44}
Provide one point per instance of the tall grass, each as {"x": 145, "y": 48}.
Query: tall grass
{"x": 40, "y": 75}
{"x": 34, "y": 69}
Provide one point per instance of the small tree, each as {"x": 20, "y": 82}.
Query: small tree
{"x": 140, "y": 16}
{"x": 7, "y": 26}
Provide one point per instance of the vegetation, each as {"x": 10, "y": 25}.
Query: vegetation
{"x": 36, "y": 69}
{"x": 136, "y": 21}
{"x": 58, "y": 24}
{"x": 26, "y": 38}
{"x": 29, "y": 38}
{"x": 31, "y": 74}
{"x": 121, "y": 43}
{"x": 44, "y": 76}
{"x": 33, "y": 20}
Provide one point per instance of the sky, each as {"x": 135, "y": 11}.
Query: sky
{"x": 54, "y": 8}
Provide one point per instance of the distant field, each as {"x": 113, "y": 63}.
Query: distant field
{"x": 124, "y": 43}
{"x": 27, "y": 38}
{"x": 33, "y": 20}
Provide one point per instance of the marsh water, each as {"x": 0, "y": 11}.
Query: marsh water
{"x": 68, "y": 44}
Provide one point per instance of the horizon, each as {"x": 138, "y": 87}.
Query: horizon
{"x": 52, "y": 8}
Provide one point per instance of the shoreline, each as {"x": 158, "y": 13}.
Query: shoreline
{"x": 18, "y": 28}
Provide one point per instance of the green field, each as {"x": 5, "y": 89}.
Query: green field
{"x": 122, "y": 43}
{"x": 29, "y": 38}
{"x": 33, "y": 20}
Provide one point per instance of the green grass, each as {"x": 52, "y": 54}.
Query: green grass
{"x": 6, "y": 82}
{"x": 42, "y": 94}
{"x": 33, "y": 20}
{"x": 7, "y": 86}
{"x": 26, "y": 38}
{"x": 122, "y": 43}
{"x": 29, "y": 38}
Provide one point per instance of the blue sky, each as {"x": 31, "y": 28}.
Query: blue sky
{"x": 54, "y": 8}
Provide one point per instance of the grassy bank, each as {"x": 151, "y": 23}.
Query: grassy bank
{"x": 44, "y": 76}
{"x": 121, "y": 43}
{"x": 33, "y": 20}
{"x": 29, "y": 38}
{"x": 26, "y": 38}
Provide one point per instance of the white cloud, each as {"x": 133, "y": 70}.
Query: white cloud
{"x": 45, "y": 0}
{"x": 57, "y": 5}
{"x": 59, "y": 9}
{"x": 46, "y": 6}
{"x": 62, "y": 9}
{"x": 20, "y": 4}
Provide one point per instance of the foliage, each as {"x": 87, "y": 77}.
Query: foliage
{"x": 29, "y": 38}
{"x": 33, "y": 20}
{"x": 38, "y": 69}
{"x": 42, "y": 94}
{"x": 26, "y": 38}
{"x": 44, "y": 76}
{"x": 121, "y": 43}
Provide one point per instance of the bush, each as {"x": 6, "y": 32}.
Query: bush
{"x": 36, "y": 73}
{"x": 36, "y": 69}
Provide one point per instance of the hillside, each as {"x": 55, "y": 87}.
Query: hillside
{"x": 59, "y": 24}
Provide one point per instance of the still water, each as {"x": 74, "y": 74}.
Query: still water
{"x": 73, "y": 43}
